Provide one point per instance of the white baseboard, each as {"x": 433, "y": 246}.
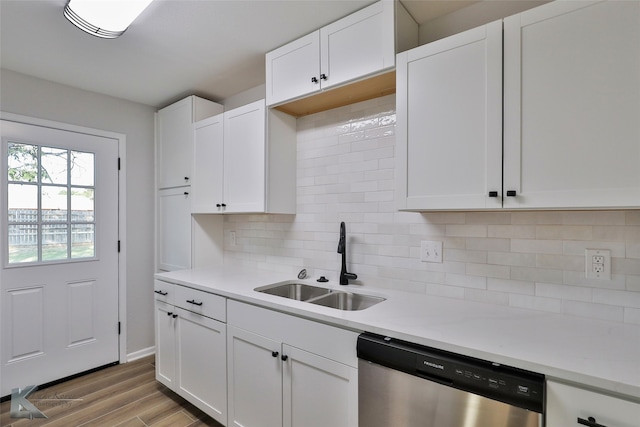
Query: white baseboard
{"x": 141, "y": 353}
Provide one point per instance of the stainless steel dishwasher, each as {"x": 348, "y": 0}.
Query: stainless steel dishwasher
{"x": 401, "y": 384}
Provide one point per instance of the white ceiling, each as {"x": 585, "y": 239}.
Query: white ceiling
{"x": 213, "y": 48}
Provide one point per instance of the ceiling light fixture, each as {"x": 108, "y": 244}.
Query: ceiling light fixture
{"x": 104, "y": 18}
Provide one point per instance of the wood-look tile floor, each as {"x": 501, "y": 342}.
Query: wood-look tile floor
{"x": 124, "y": 395}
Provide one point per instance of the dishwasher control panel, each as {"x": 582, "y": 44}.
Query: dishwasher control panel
{"x": 504, "y": 383}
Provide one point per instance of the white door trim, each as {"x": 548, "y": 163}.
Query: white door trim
{"x": 122, "y": 218}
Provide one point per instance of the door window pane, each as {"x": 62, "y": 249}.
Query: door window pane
{"x": 83, "y": 241}
{"x": 22, "y": 162}
{"x": 54, "y": 242}
{"x": 53, "y": 165}
{"x": 23, "y": 243}
{"x": 82, "y": 169}
{"x": 23, "y": 203}
{"x": 54, "y": 203}
{"x": 82, "y": 209}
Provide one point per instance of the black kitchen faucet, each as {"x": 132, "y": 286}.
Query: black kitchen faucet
{"x": 342, "y": 249}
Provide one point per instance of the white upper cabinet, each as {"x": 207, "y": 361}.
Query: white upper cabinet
{"x": 245, "y": 162}
{"x": 208, "y": 164}
{"x": 572, "y": 106}
{"x": 174, "y": 139}
{"x": 361, "y": 44}
{"x": 357, "y": 45}
{"x": 244, "y": 159}
{"x": 449, "y": 122}
{"x": 293, "y": 70}
{"x": 561, "y": 131}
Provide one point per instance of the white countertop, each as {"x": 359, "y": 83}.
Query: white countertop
{"x": 600, "y": 354}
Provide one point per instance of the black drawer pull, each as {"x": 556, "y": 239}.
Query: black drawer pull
{"x": 170, "y": 313}
{"x": 591, "y": 422}
{"x": 163, "y": 293}
{"x": 275, "y": 353}
{"x": 284, "y": 357}
{"x": 192, "y": 301}
{"x": 493, "y": 194}
{"x": 175, "y": 315}
{"x": 511, "y": 193}
{"x": 314, "y": 80}
{"x": 323, "y": 76}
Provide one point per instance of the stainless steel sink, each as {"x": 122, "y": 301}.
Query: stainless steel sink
{"x": 339, "y": 300}
{"x": 297, "y": 291}
{"x": 347, "y": 301}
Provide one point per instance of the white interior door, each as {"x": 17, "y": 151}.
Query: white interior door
{"x": 59, "y": 276}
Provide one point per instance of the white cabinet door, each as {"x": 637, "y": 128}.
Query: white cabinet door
{"x": 360, "y": 44}
{"x": 255, "y": 379}
{"x": 201, "y": 363}
{"x": 566, "y": 404}
{"x": 449, "y": 113}
{"x": 165, "y": 343}
{"x": 572, "y": 103}
{"x": 208, "y": 152}
{"x": 244, "y": 158}
{"x": 174, "y": 144}
{"x": 293, "y": 70}
{"x": 318, "y": 392}
{"x": 174, "y": 229}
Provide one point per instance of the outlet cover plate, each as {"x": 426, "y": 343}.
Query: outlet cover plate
{"x": 430, "y": 251}
{"x": 598, "y": 264}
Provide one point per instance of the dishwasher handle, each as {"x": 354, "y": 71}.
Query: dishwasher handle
{"x": 590, "y": 422}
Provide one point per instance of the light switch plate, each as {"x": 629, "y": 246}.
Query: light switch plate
{"x": 430, "y": 251}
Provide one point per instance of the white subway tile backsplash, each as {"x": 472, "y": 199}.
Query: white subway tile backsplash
{"x": 527, "y": 259}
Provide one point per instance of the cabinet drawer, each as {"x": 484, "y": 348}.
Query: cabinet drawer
{"x": 565, "y": 404}
{"x": 164, "y": 291}
{"x": 200, "y": 302}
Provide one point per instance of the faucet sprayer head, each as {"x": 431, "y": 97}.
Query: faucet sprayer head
{"x": 341, "y": 241}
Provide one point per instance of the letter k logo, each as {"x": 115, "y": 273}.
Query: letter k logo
{"x": 21, "y": 407}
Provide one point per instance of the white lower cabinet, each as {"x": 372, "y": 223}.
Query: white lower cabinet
{"x": 571, "y": 406}
{"x": 288, "y": 371}
{"x": 191, "y": 348}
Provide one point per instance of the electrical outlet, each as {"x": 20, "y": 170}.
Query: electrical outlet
{"x": 232, "y": 238}
{"x": 430, "y": 251}
{"x": 598, "y": 264}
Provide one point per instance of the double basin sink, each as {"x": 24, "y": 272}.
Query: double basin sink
{"x": 340, "y": 300}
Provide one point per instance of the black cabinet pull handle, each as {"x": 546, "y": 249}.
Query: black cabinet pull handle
{"x": 511, "y": 193}
{"x": 218, "y": 205}
{"x": 175, "y": 315}
{"x": 591, "y": 422}
{"x": 161, "y": 293}
{"x": 170, "y": 313}
{"x": 186, "y": 178}
{"x": 323, "y": 76}
{"x": 493, "y": 194}
{"x": 284, "y": 357}
{"x": 275, "y": 353}
{"x": 192, "y": 301}
{"x": 186, "y": 193}
{"x": 314, "y": 80}
{"x": 224, "y": 205}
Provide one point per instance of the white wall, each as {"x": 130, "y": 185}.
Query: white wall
{"x": 522, "y": 259}
{"x": 29, "y": 96}
{"x": 473, "y": 16}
